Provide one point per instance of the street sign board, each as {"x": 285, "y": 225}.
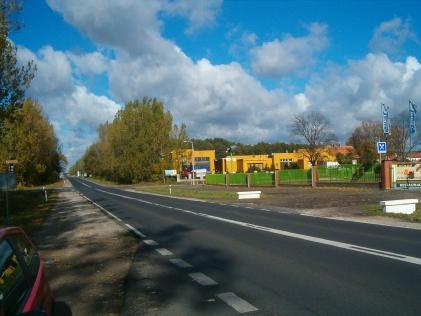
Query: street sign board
{"x": 381, "y": 147}
{"x": 7, "y": 181}
{"x": 8, "y": 162}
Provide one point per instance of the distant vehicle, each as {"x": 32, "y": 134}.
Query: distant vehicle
{"x": 24, "y": 289}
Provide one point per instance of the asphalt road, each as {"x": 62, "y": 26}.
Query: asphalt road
{"x": 225, "y": 259}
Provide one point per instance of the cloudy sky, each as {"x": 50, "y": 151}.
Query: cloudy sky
{"x": 233, "y": 69}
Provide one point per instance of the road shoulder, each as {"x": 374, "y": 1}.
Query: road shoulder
{"x": 87, "y": 255}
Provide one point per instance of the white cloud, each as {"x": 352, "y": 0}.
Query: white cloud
{"x": 293, "y": 54}
{"x": 68, "y": 104}
{"x": 225, "y": 100}
{"x": 390, "y": 36}
{"x": 354, "y": 92}
{"x": 200, "y": 13}
{"x": 89, "y": 64}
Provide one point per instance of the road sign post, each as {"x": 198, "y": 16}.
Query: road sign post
{"x": 381, "y": 149}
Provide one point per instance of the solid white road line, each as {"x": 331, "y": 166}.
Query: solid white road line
{"x": 138, "y": 233}
{"x": 99, "y": 206}
{"x": 202, "y": 279}
{"x": 180, "y": 263}
{"x": 371, "y": 251}
{"x": 237, "y": 303}
{"x": 164, "y": 252}
{"x": 150, "y": 242}
{"x": 84, "y": 184}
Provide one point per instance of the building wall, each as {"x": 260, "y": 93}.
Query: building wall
{"x": 203, "y": 159}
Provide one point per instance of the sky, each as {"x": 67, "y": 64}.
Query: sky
{"x": 234, "y": 69}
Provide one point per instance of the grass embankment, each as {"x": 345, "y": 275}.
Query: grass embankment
{"x": 377, "y": 210}
{"x": 180, "y": 190}
{"x": 27, "y": 208}
{"x": 190, "y": 192}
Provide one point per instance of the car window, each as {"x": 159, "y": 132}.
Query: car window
{"x": 13, "y": 286}
{"x": 24, "y": 247}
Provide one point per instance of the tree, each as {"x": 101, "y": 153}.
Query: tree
{"x": 316, "y": 131}
{"x": 364, "y": 138}
{"x": 31, "y": 140}
{"x": 400, "y": 141}
{"x": 14, "y": 79}
{"x": 130, "y": 148}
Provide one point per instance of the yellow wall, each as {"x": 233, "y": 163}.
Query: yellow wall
{"x": 298, "y": 157}
{"x": 184, "y": 156}
{"x": 241, "y": 163}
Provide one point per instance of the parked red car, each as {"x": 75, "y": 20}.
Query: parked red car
{"x": 24, "y": 289}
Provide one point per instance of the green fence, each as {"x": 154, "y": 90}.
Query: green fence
{"x": 262, "y": 179}
{"x": 348, "y": 174}
{"x": 237, "y": 179}
{"x": 295, "y": 176}
{"x": 215, "y": 179}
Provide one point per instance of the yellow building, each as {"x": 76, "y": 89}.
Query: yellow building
{"x": 203, "y": 159}
{"x": 244, "y": 163}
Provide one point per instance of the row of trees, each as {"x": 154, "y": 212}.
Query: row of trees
{"x": 135, "y": 146}
{"x": 25, "y": 133}
{"x": 315, "y": 129}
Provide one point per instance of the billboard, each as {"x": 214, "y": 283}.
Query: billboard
{"x": 7, "y": 181}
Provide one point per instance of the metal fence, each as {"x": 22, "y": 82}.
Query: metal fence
{"x": 348, "y": 174}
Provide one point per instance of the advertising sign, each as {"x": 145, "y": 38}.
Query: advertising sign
{"x": 7, "y": 181}
{"x": 171, "y": 173}
{"x": 408, "y": 172}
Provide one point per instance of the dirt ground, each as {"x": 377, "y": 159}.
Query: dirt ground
{"x": 343, "y": 202}
{"x": 87, "y": 256}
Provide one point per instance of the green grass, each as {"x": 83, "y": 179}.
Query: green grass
{"x": 377, "y": 210}
{"x": 27, "y": 208}
{"x": 187, "y": 192}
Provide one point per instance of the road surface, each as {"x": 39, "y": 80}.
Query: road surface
{"x": 227, "y": 259}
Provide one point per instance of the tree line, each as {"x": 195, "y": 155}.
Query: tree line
{"x": 25, "y": 132}
{"x": 141, "y": 142}
{"x": 136, "y": 146}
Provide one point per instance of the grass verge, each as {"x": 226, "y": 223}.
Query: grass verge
{"x": 27, "y": 208}
{"x": 377, "y": 210}
{"x": 187, "y": 192}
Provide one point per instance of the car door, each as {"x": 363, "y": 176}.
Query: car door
{"x": 14, "y": 287}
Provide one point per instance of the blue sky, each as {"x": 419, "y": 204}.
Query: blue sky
{"x": 234, "y": 69}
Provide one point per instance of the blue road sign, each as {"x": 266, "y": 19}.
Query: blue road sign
{"x": 381, "y": 147}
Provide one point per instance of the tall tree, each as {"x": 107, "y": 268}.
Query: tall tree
{"x": 400, "y": 141}
{"x": 316, "y": 131}
{"x": 14, "y": 78}
{"x": 364, "y": 138}
{"x": 31, "y": 140}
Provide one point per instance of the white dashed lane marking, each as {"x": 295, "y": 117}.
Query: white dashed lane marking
{"x": 237, "y": 303}
{"x": 150, "y": 242}
{"x": 202, "y": 279}
{"x": 164, "y": 252}
{"x": 180, "y": 263}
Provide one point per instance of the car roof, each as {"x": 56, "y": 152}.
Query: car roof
{"x": 6, "y": 231}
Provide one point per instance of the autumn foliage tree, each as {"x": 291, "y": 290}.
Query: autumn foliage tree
{"x": 130, "y": 148}
{"x": 14, "y": 78}
{"x": 31, "y": 140}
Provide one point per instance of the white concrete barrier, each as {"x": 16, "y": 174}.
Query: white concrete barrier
{"x": 406, "y": 206}
{"x": 249, "y": 195}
